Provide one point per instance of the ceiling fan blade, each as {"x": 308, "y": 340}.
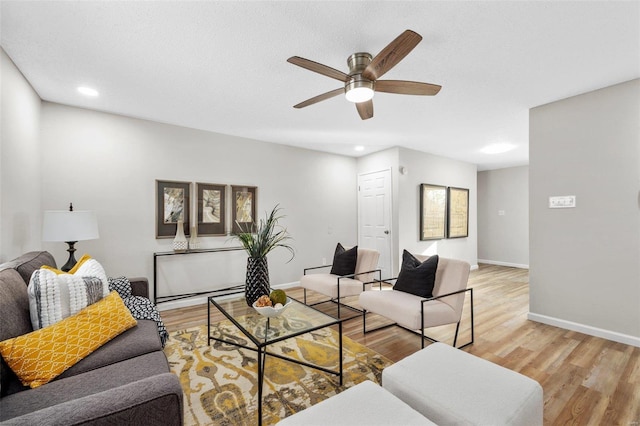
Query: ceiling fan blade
{"x": 319, "y": 98}
{"x": 392, "y": 54}
{"x": 407, "y": 87}
{"x": 365, "y": 109}
{"x": 319, "y": 68}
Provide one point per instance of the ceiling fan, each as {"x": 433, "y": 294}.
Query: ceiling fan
{"x": 364, "y": 72}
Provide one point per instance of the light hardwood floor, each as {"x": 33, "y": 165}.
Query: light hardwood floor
{"x": 586, "y": 380}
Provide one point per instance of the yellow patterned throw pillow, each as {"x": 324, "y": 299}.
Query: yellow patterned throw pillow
{"x": 40, "y": 356}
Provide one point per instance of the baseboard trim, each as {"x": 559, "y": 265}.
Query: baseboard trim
{"x": 474, "y": 267}
{"x": 586, "y": 329}
{"x": 201, "y": 300}
{"x": 497, "y": 262}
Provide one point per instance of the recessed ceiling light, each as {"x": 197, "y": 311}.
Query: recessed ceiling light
{"x": 88, "y": 91}
{"x": 497, "y": 148}
{"x": 359, "y": 148}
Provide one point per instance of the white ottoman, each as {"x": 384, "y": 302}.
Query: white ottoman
{"x": 450, "y": 386}
{"x": 364, "y": 404}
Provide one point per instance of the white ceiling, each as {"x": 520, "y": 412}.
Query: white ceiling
{"x": 221, "y": 66}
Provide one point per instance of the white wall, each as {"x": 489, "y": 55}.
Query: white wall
{"x": 585, "y": 261}
{"x": 503, "y": 217}
{"x": 109, "y": 164}
{"x": 432, "y": 169}
{"x": 424, "y": 168}
{"x": 20, "y": 182}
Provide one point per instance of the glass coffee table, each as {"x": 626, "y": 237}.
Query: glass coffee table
{"x": 297, "y": 319}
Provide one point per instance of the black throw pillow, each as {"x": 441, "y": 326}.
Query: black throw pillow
{"x": 344, "y": 261}
{"x": 417, "y": 277}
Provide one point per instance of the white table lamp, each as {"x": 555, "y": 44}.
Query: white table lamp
{"x": 69, "y": 226}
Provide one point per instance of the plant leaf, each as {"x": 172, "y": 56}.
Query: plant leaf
{"x": 261, "y": 238}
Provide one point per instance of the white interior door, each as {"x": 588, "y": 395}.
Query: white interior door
{"x": 374, "y": 216}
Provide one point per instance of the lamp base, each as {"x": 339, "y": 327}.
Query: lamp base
{"x": 72, "y": 259}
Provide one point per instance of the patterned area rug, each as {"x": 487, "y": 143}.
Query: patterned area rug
{"x": 220, "y": 381}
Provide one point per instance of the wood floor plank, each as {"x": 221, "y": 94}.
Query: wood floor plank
{"x": 579, "y": 408}
{"x": 624, "y": 405}
{"x": 587, "y": 352}
{"x": 607, "y": 370}
{"x": 632, "y": 372}
{"x": 586, "y": 380}
{"x": 558, "y": 390}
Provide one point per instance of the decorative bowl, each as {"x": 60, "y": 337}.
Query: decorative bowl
{"x": 269, "y": 311}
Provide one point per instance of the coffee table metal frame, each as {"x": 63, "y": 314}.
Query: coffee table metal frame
{"x": 261, "y": 344}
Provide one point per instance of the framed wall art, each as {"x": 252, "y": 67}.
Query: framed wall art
{"x": 458, "y": 213}
{"x": 433, "y": 208}
{"x": 211, "y": 209}
{"x": 243, "y": 207}
{"x": 172, "y": 205}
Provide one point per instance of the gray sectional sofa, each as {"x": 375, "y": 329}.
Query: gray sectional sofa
{"x": 126, "y": 381}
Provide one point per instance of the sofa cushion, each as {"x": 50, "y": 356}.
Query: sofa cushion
{"x": 14, "y": 305}
{"x": 14, "y": 318}
{"x": 155, "y": 400}
{"x": 344, "y": 261}
{"x": 41, "y": 355}
{"x": 417, "y": 277}
{"x": 89, "y": 383}
{"x": 29, "y": 262}
{"x": 136, "y": 341}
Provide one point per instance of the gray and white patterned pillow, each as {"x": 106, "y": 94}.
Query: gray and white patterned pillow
{"x": 54, "y": 297}
{"x": 121, "y": 285}
{"x": 143, "y": 308}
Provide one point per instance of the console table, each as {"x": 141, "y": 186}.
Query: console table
{"x": 219, "y": 292}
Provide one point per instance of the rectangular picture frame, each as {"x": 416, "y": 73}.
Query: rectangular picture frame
{"x": 433, "y": 212}
{"x": 211, "y": 200}
{"x": 172, "y": 204}
{"x": 244, "y": 203}
{"x": 457, "y": 212}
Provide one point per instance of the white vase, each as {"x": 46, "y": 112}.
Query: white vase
{"x": 180, "y": 241}
{"x": 194, "y": 243}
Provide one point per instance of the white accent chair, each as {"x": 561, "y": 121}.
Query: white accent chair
{"x": 336, "y": 286}
{"x": 416, "y": 313}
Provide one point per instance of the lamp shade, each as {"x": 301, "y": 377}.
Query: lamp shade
{"x": 69, "y": 226}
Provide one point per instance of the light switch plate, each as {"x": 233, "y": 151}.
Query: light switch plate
{"x": 562, "y": 202}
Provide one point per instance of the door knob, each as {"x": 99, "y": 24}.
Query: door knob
{"x": 386, "y": 232}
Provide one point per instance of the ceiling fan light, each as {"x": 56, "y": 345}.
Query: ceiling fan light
{"x": 359, "y": 94}
{"x": 358, "y": 89}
